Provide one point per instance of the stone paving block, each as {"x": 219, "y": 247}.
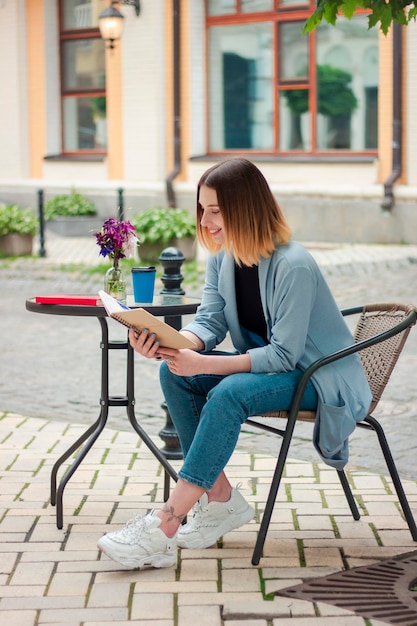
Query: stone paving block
{"x": 315, "y": 522}
{"x": 47, "y": 532}
{"x": 69, "y": 584}
{"x": 32, "y": 573}
{"x": 303, "y": 494}
{"x": 242, "y": 537}
{"x": 195, "y": 569}
{"x": 9, "y": 537}
{"x": 250, "y": 622}
{"x": 201, "y": 615}
{"x": 23, "y": 591}
{"x": 400, "y": 538}
{"x": 152, "y": 606}
{"x": 150, "y": 576}
{"x": 299, "y": 469}
{"x": 10, "y": 489}
{"x": 358, "y": 528}
{"x": 18, "y": 617}
{"x": 330, "y": 609}
{"x": 216, "y": 553}
{"x": 82, "y": 541}
{"x": 346, "y": 544}
{"x": 137, "y": 489}
{"x": 175, "y": 586}
{"x": 268, "y": 610}
{"x": 323, "y": 556}
{"x": 272, "y": 586}
{"x": 44, "y": 602}
{"x": 136, "y": 622}
{"x": 217, "y": 598}
{"x": 60, "y": 557}
{"x": 81, "y": 615}
{"x": 366, "y": 483}
{"x": 7, "y": 562}
{"x": 305, "y": 573}
{"x": 111, "y": 594}
{"x": 234, "y": 580}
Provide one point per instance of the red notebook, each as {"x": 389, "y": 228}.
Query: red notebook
{"x": 69, "y": 299}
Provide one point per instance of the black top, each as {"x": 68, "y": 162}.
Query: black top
{"x": 248, "y": 300}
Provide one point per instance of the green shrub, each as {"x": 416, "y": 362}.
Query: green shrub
{"x": 13, "y": 219}
{"x": 72, "y": 205}
{"x": 162, "y": 225}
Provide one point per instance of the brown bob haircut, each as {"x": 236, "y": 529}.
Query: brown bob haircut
{"x": 254, "y": 224}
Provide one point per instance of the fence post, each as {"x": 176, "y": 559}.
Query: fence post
{"x": 42, "y": 251}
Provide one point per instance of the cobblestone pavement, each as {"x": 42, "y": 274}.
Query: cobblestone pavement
{"x": 51, "y": 365}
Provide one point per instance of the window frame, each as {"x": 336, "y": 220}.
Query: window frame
{"x": 281, "y": 15}
{"x": 76, "y": 34}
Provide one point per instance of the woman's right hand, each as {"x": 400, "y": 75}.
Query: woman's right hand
{"x": 144, "y": 343}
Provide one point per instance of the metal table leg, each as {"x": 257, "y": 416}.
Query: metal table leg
{"x": 93, "y": 432}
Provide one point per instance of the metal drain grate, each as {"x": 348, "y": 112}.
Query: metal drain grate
{"x": 380, "y": 591}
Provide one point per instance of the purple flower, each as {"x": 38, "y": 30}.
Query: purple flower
{"x": 116, "y": 239}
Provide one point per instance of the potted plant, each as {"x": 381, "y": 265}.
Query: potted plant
{"x": 162, "y": 227}
{"x": 17, "y": 229}
{"x": 71, "y": 215}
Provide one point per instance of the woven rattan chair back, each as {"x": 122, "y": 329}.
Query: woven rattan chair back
{"x": 379, "y": 360}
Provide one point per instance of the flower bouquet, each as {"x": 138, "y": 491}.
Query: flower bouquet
{"x": 117, "y": 240}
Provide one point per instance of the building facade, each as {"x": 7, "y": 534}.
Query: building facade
{"x": 327, "y": 117}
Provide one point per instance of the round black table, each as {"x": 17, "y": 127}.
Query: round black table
{"x": 172, "y": 308}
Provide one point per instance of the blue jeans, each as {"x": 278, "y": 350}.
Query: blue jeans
{"x": 208, "y": 412}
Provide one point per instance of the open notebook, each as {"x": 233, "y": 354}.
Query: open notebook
{"x": 139, "y": 319}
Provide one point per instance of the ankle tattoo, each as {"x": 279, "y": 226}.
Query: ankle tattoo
{"x": 169, "y": 510}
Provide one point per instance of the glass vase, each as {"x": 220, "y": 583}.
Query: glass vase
{"x": 115, "y": 282}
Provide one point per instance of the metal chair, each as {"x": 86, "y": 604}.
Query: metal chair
{"x": 380, "y": 335}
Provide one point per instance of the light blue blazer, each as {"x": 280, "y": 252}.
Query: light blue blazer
{"x": 304, "y": 323}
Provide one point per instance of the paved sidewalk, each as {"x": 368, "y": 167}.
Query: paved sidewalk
{"x": 49, "y": 395}
{"x": 51, "y": 576}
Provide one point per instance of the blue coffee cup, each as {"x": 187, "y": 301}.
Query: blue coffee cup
{"x": 143, "y": 281}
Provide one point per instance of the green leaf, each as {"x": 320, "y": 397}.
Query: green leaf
{"x": 349, "y": 7}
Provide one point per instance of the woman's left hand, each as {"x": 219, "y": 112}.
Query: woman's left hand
{"x": 183, "y": 362}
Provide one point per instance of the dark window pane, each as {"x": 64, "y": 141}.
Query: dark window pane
{"x": 293, "y": 52}
{"x": 241, "y": 87}
{"x": 347, "y": 85}
{"x": 221, "y": 7}
{"x": 83, "y": 64}
{"x": 251, "y": 6}
{"x": 85, "y": 124}
{"x": 294, "y": 120}
{"x": 81, "y": 13}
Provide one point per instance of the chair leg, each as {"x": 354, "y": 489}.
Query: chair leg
{"x": 376, "y": 426}
{"x": 272, "y": 496}
{"x": 167, "y": 481}
{"x": 349, "y": 495}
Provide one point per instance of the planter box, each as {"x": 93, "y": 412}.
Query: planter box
{"x": 152, "y": 251}
{"x": 83, "y": 226}
{"x": 16, "y": 245}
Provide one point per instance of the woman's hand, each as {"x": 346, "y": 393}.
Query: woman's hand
{"x": 184, "y": 362}
{"x": 144, "y": 343}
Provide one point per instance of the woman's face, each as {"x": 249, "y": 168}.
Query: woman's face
{"x": 211, "y": 218}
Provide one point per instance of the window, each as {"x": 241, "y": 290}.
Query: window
{"x": 274, "y": 90}
{"x": 83, "y": 77}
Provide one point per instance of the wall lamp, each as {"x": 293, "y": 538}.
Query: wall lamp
{"x": 110, "y": 21}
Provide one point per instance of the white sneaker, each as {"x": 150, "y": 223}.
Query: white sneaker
{"x": 140, "y": 543}
{"x": 212, "y": 520}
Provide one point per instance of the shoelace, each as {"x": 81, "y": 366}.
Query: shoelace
{"x": 133, "y": 527}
